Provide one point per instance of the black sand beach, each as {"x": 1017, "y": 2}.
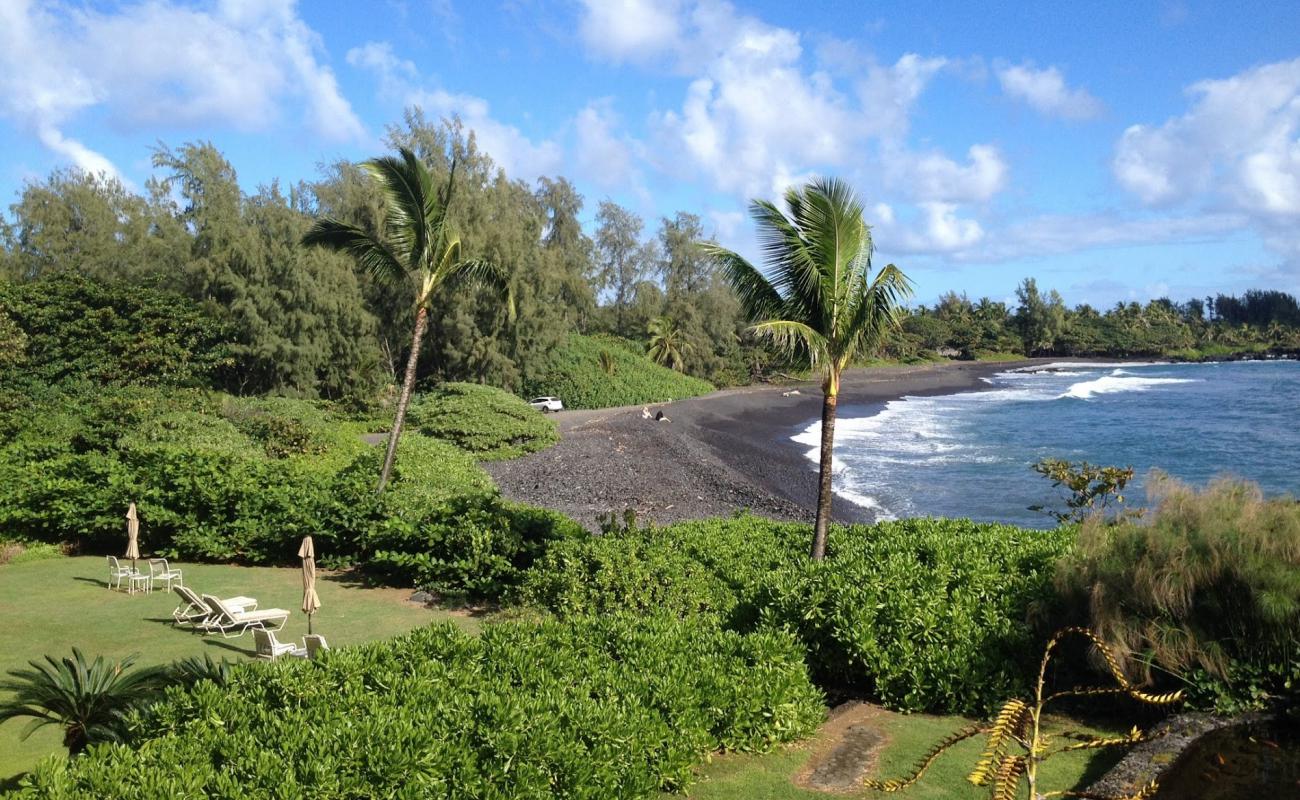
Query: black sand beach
{"x": 716, "y": 454}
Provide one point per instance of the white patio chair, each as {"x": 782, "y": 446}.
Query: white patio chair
{"x": 269, "y": 647}
{"x": 159, "y": 571}
{"x": 193, "y": 611}
{"x": 116, "y": 572}
{"x": 314, "y": 644}
{"x": 232, "y": 624}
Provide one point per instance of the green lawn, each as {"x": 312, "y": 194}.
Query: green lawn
{"x": 48, "y": 606}
{"x": 908, "y": 737}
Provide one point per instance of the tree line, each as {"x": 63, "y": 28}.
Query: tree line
{"x": 309, "y": 322}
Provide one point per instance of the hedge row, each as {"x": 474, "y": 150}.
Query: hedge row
{"x": 922, "y": 615}
{"x": 594, "y": 708}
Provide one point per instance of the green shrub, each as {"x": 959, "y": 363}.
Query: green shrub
{"x": 488, "y": 422}
{"x": 1206, "y": 587}
{"x": 920, "y": 614}
{"x": 22, "y": 552}
{"x": 575, "y": 375}
{"x": 77, "y": 328}
{"x": 475, "y": 545}
{"x": 596, "y": 708}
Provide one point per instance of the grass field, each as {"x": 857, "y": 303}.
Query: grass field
{"x": 48, "y": 606}
{"x": 907, "y": 738}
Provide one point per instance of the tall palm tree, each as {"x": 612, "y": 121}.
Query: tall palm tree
{"x": 666, "y": 346}
{"x": 88, "y": 700}
{"x": 818, "y": 300}
{"x": 422, "y": 252}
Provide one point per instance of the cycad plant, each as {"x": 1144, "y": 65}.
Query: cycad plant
{"x": 666, "y": 346}
{"x": 817, "y": 298}
{"x": 88, "y": 700}
{"x": 421, "y": 252}
{"x": 1016, "y": 745}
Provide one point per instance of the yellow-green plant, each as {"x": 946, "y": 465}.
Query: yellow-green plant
{"x": 1016, "y": 744}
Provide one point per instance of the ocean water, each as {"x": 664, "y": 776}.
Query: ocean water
{"x": 969, "y": 454}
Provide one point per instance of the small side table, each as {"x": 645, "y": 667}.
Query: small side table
{"x": 139, "y": 583}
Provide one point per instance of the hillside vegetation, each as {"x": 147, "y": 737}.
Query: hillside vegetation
{"x": 605, "y": 371}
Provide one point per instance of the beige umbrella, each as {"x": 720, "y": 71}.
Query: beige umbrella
{"x": 310, "y": 601}
{"x": 132, "y": 535}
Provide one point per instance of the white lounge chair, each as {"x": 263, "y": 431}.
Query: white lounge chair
{"x": 232, "y": 624}
{"x": 269, "y": 647}
{"x": 314, "y": 644}
{"x": 159, "y": 571}
{"x": 116, "y": 572}
{"x": 193, "y": 611}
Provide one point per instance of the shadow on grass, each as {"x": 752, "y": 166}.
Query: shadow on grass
{"x": 95, "y": 581}
{"x": 225, "y": 645}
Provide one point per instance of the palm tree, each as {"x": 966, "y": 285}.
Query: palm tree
{"x": 89, "y": 701}
{"x": 666, "y": 347}
{"x": 421, "y": 252}
{"x": 818, "y": 300}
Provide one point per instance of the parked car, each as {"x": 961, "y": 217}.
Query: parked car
{"x": 546, "y": 404}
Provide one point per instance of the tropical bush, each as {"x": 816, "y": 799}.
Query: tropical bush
{"x": 75, "y": 327}
{"x": 575, "y": 374}
{"x": 1206, "y": 591}
{"x": 488, "y": 422}
{"x": 594, "y": 708}
{"x": 926, "y": 614}
{"x": 222, "y": 478}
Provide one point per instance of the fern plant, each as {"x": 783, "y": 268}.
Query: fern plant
{"x": 1016, "y": 745}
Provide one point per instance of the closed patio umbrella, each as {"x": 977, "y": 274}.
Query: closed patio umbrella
{"x": 310, "y": 601}
{"x": 132, "y": 535}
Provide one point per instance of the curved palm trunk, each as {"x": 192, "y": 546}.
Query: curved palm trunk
{"x": 404, "y": 400}
{"x": 824, "y": 493}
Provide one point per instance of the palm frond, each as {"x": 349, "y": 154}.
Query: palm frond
{"x": 481, "y": 272}
{"x": 371, "y": 255}
{"x": 790, "y": 335}
{"x": 758, "y": 297}
{"x": 408, "y": 192}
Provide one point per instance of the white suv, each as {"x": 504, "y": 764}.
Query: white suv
{"x": 546, "y": 404}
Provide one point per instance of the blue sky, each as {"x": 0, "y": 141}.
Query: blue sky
{"x": 1114, "y": 150}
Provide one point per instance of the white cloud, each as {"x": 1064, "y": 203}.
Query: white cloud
{"x": 1237, "y": 148}
{"x": 602, "y": 155}
{"x": 160, "y": 63}
{"x": 1045, "y": 91}
{"x": 1238, "y": 139}
{"x": 630, "y": 30}
{"x": 933, "y": 177}
{"x": 1055, "y": 234}
{"x": 399, "y": 80}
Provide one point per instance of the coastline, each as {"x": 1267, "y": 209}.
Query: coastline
{"x": 716, "y": 454}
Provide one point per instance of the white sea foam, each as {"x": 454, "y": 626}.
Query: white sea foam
{"x": 1087, "y": 365}
{"x": 1115, "y": 382}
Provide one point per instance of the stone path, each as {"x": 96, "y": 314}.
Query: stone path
{"x": 845, "y": 750}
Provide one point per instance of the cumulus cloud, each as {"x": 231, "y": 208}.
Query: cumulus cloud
{"x": 630, "y": 30}
{"x": 1236, "y": 148}
{"x": 932, "y": 176}
{"x": 400, "y": 80}
{"x": 161, "y": 63}
{"x": 1045, "y": 91}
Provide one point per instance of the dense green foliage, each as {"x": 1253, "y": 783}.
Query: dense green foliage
{"x": 1205, "y": 589}
{"x": 575, "y": 374}
{"x": 69, "y": 327}
{"x": 487, "y": 422}
{"x": 1041, "y": 324}
{"x": 598, "y": 708}
{"x": 222, "y": 478}
{"x": 920, "y": 614}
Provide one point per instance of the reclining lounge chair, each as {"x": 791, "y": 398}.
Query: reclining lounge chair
{"x": 193, "y": 611}
{"x": 233, "y": 624}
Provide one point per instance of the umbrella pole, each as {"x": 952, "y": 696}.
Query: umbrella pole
{"x": 309, "y": 624}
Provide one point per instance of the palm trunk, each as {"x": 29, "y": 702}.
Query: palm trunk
{"x": 824, "y": 492}
{"x": 404, "y": 400}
